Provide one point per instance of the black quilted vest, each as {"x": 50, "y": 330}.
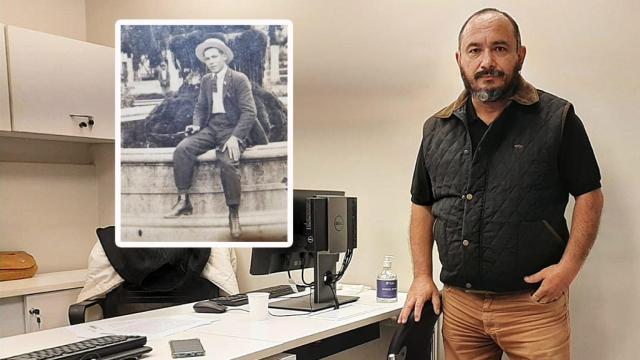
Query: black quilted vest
{"x": 499, "y": 213}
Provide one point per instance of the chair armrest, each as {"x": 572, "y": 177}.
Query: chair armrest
{"x": 77, "y": 311}
{"x": 415, "y": 336}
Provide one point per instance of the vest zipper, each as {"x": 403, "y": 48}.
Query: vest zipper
{"x": 473, "y": 157}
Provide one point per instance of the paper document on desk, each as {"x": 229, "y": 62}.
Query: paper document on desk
{"x": 344, "y": 312}
{"x": 352, "y": 289}
{"x": 152, "y": 328}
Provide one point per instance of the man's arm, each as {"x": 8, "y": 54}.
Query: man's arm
{"x": 247, "y": 107}
{"x": 421, "y": 239}
{"x": 584, "y": 227}
{"x": 422, "y": 288}
{"x": 247, "y": 118}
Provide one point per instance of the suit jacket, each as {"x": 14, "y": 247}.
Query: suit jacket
{"x": 238, "y": 104}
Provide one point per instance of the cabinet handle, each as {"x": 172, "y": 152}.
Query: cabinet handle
{"x": 89, "y": 120}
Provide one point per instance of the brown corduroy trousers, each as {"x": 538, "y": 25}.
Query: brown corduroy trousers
{"x": 479, "y": 326}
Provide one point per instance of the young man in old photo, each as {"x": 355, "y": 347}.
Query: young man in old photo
{"x": 222, "y": 119}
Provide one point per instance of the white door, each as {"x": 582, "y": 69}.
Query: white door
{"x": 51, "y": 307}
{"x": 5, "y": 115}
{"x": 53, "y": 78}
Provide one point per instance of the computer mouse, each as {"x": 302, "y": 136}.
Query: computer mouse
{"x": 208, "y": 306}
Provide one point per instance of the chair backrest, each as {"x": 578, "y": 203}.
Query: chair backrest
{"x": 412, "y": 340}
{"x": 127, "y": 299}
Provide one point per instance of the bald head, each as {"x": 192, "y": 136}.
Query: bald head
{"x": 490, "y": 55}
{"x": 489, "y": 17}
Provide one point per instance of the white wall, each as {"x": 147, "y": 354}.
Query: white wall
{"x": 48, "y": 210}
{"x": 103, "y": 156}
{"x": 368, "y": 73}
{"x": 60, "y": 17}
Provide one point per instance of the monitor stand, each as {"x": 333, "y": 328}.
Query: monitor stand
{"x": 305, "y": 303}
{"x": 322, "y": 294}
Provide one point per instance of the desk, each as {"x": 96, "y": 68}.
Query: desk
{"x": 233, "y": 336}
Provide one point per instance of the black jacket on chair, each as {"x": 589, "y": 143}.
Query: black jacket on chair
{"x": 153, "y": 278}
{"x": 162, "y": 269}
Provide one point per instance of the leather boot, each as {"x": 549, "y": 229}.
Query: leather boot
{"x": 181, "y": 207}
{"x": 234, "y": 222}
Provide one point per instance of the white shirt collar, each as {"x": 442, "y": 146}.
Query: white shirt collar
{"x": 221, "y": 74}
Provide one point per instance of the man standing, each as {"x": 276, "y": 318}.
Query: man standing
{"x": 164, "y": 78}
{"x": 491, "y": 183}
{"x": 222, "y": 119}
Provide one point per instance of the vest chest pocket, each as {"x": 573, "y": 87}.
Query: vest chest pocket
{"x": 533, "y": 166}
{"x": 539, "y": 246}
{"x": 515, "y": 166}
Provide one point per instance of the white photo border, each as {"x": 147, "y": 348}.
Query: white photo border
{"x": 118, "y": 140}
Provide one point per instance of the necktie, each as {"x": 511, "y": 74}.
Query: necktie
{"x": 215, "y": 82}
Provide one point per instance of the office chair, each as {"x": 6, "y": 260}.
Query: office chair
{"x": 173, "y": 278}
{"x": 128, "y": 299}
{"x": 412, "y": 341}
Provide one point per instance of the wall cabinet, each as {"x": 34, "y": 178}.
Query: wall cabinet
{"x": 5, "y": 115}
{"x": 60, "y": 86}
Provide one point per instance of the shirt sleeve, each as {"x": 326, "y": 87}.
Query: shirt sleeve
{"x": 421, "y": 192}
{"x": 577, "y": 163}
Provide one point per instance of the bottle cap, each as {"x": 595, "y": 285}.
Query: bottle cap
{"x": 387, "y": 260}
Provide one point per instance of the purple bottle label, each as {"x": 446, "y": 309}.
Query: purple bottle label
{"x": 387, "y": 289}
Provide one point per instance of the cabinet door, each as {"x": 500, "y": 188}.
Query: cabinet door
{"x": 11, "y": 310}
{"x": 53, "y": 77}
{"x": 53, "y": 308}
{"x": 5, "y": 115}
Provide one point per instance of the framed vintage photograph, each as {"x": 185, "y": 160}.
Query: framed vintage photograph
{"x": 204, "y": 141}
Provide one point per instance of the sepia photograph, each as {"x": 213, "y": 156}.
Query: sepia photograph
{"x": 205, "y": 131}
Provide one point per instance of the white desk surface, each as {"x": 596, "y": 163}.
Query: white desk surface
{"x": 234, "y": 336}
{"x": 40, "y": 283}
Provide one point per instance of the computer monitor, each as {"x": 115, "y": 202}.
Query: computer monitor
{"x": 324, "y": 225}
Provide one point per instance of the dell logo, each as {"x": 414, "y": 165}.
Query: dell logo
{"x": 338, "y": 223}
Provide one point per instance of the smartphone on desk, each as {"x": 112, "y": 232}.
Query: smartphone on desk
{"x": 186, "y": 348}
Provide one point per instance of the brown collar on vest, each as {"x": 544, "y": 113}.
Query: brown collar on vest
{"x": 525, "y": 94}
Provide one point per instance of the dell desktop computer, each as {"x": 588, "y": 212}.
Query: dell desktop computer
{"x": 324, "y": 226}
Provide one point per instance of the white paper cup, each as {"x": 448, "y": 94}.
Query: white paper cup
{"x": 258, "y": 305}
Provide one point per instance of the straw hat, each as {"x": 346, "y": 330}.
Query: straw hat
{"x": 213, "y": 43}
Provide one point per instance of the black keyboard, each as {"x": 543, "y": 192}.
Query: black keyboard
{"x": 242, "y": 299}
{"x": 93, "y": 348}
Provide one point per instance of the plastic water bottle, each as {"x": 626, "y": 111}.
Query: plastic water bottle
{"x": 387, "y": 282}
